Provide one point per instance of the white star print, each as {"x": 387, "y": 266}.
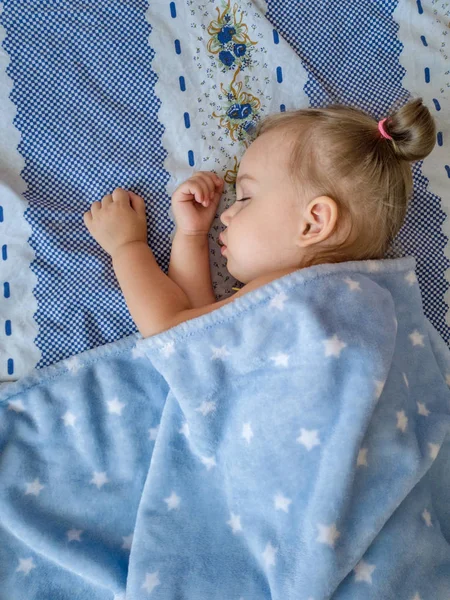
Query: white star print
{"x": 208, "y": 462}
{"x": 434, "y": 450}
{"x": 278, "y": 301}
{"x": 151, "y": 581}
{"x": 114, "y": 406}
{"x": 352, "y": 284}
{"x": 308, "y": 438}
{"x": 34, "y": 488}
{"x": 16, "y": 406}
{"x": 206, "y": 407}
{"x": 402, "y": 420}
{"x": 373, "y": 265}
{"x": 422, "y": 409}
{"x": 280, "y": 359}
{"x": 127, "y": 541}
{"x": 168, "y": 349}
{"x": 247, "y": 432}
{"x": 362, "y": 458}
{"x": 416, "y": 338}
{"x": 185, "y": 429}
{"x": 379, "y": 385}
{"x": 73, "y": 364}
{"x": 333, "y": 346}
{"x": 411, "y": 278}
{"x": 427, "y": 517}
{"x": 138, "y": 350}
{"x": 26, "y": 564}
{"x": 235, "y": 523}
{"x": 269, "y": 555}
{"x": 406, "y": 380}
{"x": 328, "y": 534}
{"x": 221, "y": 352}
{"x": 173, "y": 501}
{"x": 281, "y": 502}
{"x": 153, "y": 432}
{"x": 69, "y": 419}
{"x": 99, "y": 479}
{"x": 73, "y": 535}
{"x": 363, "y": 571}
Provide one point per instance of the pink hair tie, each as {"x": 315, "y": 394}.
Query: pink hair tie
{"x": 382, "y": 131}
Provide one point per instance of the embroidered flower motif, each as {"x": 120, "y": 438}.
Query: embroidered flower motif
{"x": 229, "y": 38}
{"x": 240, "y": 112}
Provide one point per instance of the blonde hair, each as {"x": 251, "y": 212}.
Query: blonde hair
{"x": 339, "y": 152}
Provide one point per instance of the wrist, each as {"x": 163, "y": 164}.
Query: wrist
{"x": 191, "y": 238}
{"x": 126, "y": 247}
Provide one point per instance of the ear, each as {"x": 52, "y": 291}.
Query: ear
{"x": 318, "y": 221}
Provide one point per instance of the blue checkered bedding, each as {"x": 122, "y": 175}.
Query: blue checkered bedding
{"x": 126, "y": 94}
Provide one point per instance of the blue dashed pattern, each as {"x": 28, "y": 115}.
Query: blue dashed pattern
{"x": 351, "y": 52}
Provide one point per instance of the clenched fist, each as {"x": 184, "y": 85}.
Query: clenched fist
{"x": 117, "y": 220}
{"x": 195, "y": 202}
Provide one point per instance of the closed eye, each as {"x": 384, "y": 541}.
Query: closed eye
{"x": 242, "y": 199}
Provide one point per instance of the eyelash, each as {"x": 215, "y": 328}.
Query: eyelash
{"x": 242, "y": 199}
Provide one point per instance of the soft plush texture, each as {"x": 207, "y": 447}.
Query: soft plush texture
{"x": 290, "y": 445}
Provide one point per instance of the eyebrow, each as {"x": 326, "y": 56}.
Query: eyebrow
{"x": 245, "y": 176}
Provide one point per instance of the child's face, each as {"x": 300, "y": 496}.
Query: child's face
{"x": 261, "y": 232}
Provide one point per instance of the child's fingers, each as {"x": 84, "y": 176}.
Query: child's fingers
{"x": 198, "y": 188}
{"x": 137, "y": 202}
{"x": 87, "y": 218}
{"x": 216, "y": 185}
{"x": 205, "y": 192}
{"x": 212, "y": 180}
{"x": 95, "y": 207}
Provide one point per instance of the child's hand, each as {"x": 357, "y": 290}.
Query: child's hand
{"x": 117, "y": 220}
{"x": 195, "y": 202}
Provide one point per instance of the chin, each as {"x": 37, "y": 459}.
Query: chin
{"x": 240, "y": 277}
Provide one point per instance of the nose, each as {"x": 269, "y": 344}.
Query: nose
{"x": 225, "y": 217}
{"x": 227, "y": 214}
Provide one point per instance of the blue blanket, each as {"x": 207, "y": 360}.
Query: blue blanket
{"x": 291, "y": 445}
{"x": 139, "y": 94}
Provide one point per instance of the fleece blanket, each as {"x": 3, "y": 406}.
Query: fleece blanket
{"x": 290, "y": 445}
{"x": 140, "y": 94}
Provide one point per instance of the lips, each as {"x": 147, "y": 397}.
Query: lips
{"x": 221, "y": 242}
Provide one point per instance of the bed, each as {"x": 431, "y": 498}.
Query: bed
{"x": 138, "y": 95}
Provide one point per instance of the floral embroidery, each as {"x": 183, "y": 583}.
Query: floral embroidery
{"x": 231, "y": 174}
{"x": 230, "y": 40}
{"x": 240, "y": 116}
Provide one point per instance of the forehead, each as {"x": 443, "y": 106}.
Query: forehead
{"x": 267, "y": 156}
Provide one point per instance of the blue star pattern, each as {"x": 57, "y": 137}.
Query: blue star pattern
{"x": 290, "y": 445}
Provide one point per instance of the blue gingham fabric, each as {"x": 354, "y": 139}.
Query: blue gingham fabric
{"x": 88, "y": 116}
{"x": 84, "y": 91}
{"x": 291, "y": 445}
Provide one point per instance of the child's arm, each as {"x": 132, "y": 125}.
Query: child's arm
{"x": 153, "y": 299}
{"x": 189, "y": 268}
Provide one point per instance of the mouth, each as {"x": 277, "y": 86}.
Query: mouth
{"x": 222, "y": 245}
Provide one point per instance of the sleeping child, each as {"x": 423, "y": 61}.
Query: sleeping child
{"x": 316, "y": 186}
{"x": 291, "y": 442}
